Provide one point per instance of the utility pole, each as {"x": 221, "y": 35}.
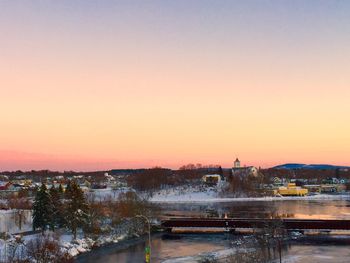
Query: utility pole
{"x": 147, "y": 249}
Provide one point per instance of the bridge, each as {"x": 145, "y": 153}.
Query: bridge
{"x": 233, "y": 223}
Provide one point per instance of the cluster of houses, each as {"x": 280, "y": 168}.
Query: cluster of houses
{"x": 283, "y": 186}
{"x": 15, "y": 186}
{"x": 329, "y": 185}
{"x": 87, "y": 183}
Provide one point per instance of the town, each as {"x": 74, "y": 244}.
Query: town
{"x": 111, "y": 200}
{"x": 174, "y": 131}
{"x": 247, "y": 181}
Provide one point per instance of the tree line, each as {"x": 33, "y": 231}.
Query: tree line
{"x": 157, "y": 178}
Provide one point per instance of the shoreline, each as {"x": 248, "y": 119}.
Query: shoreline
{"x": 180, "y": 199}
{"x": 219, "y": 255}
{"x": 115, "y": 246}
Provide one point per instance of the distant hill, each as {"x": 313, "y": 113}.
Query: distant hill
{"x": 293, "y": 166}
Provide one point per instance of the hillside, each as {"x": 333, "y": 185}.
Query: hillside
{"x": 292, "y": 166}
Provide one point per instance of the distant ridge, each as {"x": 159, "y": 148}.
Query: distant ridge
{"x": 292, "y": 166}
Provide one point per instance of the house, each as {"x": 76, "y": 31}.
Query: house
{"x": 333, "y": 188}
{"x": 3, "y": 178}
{"x": 6, "y": 186}
{"x": 277, "y": 181}
{"x": 343, "y": 181}
{"x": 211, "y": 179}
{"x": 7, "y": 189}
{"x": 330, "y": 180}
{"x": 109, "y": 178}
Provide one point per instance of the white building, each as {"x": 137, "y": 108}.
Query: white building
{"x": 237, "y": 163}
{"x": 244, "y": 171}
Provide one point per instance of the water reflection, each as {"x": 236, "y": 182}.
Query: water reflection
{"x": 164, "y": 246}
{"x": 320, "y": 254}
{"x": 168, "y": 246}
{"x": 286, "y": 209}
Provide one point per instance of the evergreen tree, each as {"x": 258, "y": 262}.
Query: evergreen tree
{"x": 57, "y": 213}
{"x": 42, "y": 209}
{"x": 60, "y": 191}
{"x": 76, "y": 209}
{"x": 68, "y": 191}
{"x": 221, "y": 173}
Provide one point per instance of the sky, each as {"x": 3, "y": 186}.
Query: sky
{"x": 89, "y": 85}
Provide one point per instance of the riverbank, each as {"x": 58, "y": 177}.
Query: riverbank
{"x": 120, "y": 234}
{"x": 112, "y": 247}
{"x": 190, "y": 246}
{"x": 165, "y": 246}
{"x": 210, "y": 198}
{"x": 67, "y": 245}
{"x": 176, "y": 246}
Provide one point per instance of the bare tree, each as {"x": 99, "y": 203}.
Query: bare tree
{"x": 46, "y": 249}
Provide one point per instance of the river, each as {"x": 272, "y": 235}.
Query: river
{"x": 165, "y": 246}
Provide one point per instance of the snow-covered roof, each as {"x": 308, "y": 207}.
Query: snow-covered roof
{"x": 211, "y": 175}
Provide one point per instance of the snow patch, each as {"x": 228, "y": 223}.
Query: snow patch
{"x": 190, "y": 195}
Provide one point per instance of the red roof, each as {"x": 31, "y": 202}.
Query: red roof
{"x": 5, "y": 187}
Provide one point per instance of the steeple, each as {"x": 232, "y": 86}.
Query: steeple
{"x": 237, "y": 163}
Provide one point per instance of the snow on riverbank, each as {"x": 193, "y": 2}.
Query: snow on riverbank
{"x": 82, "y": 245}
{"x": 122, "y": 231}
{"x": 66, "y": 242}
{"x": 68, "y": 245}
{"x": 196, "y": 195}
{"x": 182, "y": 194}
{"x": 217, "y": 255}
{"x": 203, "y": 194}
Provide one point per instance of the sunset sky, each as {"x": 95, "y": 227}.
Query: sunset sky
{"x": 89, "y": 85}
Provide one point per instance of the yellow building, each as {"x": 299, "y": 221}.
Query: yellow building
{"x": 292, "y": 190}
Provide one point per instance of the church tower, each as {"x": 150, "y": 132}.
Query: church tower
{"x": 237, "y": 164}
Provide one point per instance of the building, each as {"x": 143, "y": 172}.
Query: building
{"x": 6, "y": 186}
{"x": 211, "y": 179}
{"x": 292, "y": 190}
{"x": 237, "y": 164}
{"x": 7, "y": 189}
{"x": 244, "y": 171}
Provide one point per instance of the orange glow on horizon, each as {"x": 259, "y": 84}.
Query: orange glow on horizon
{"x": 99, "y": 87}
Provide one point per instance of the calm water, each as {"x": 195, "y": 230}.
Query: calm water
{"x": 170, "y": 246}
{"x": 164, "y": 246}
{"x": 288, "y": 209}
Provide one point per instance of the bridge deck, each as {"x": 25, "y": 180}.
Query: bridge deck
{"x": 289, "y": 224}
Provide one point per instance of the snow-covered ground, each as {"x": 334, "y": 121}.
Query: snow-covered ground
{"x": 84, "y": 244}
{"x": 185, "y": 194}
{"x": 81, "y": 244}
{"x": 201, "y": 194}
{"x": 67, "y": 244}
{"x": 103, "y": 194}
{"x": 205, "y": 195}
